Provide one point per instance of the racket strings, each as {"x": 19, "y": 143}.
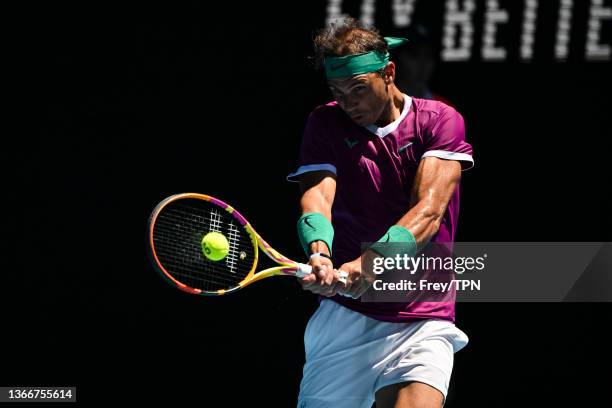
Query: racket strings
{"x": 184, "y": 258}
{"x": 177, "y": 236}
{"x": 233, "y": 238}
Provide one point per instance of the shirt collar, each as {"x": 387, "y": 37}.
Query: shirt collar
{"x": 384, "y": 131}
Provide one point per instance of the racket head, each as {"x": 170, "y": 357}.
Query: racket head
{"x": 176, "y": 228}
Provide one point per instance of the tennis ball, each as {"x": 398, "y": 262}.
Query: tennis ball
{"x": 215, "y": 246}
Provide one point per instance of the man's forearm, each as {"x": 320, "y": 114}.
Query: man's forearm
{"x": 423, "y": 221}
{"x": 314, "y": 202}
{"x": 435, "y": 184}
{"x": 318, "y": 194}
{"x": 317, "y": 199}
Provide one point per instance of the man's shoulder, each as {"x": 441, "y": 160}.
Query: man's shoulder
{"x": 327, "y": 121}
{"x": 328, "y": 112}
{"x": 431, "y": 111}
{"x": 431, "y": 106}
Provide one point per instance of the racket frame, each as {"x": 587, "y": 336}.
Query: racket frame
{"x": 286, "y": 266}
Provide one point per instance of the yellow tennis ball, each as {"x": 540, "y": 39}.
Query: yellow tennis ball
{"x": 215, "y": 246}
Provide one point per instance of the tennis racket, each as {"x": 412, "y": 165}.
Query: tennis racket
{"x": 176, "y": 229}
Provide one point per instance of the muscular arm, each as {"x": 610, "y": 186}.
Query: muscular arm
{"x": 434, "y": 184}
{"x": 318, "y": 191}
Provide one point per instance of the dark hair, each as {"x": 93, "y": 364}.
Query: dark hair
{"x": 344, "y": 37}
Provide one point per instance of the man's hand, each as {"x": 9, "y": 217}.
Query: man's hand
{"x": 358, "y": 281}
{"x": 324, "y": 278}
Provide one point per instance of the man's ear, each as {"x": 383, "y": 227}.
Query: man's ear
{"x": 389, "y": 76}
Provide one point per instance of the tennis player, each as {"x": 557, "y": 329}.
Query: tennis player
{"x": 375, "y": 165}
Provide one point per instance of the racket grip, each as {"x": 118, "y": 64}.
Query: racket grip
{"x": 343, "y": 276}
{"x": 304, "y": 269}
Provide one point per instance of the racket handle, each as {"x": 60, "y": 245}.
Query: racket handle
{"x": 343, "y": 276}
{"x": 304, "y": 269}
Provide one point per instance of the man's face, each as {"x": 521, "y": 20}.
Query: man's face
{"x": 363, "y": 97}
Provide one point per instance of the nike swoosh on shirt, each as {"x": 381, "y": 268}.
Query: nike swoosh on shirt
{"x": 350, "y": 142}
{"x": 401, "y": 149}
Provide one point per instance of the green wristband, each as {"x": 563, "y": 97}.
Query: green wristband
{"x": 402, "y": 242}
{"x": 315, "y": 227}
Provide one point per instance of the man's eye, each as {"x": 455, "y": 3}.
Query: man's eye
{"x": 359, "y": 89}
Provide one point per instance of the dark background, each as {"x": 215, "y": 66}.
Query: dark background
{"x": 130, "y": 103}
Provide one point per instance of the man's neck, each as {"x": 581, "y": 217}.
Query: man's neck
{"x": 393, "y": 108}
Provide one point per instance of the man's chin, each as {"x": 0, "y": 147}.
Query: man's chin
{"x": 361, "y": 121}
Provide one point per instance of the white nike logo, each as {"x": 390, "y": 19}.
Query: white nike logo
{"x": 401, "y": 149}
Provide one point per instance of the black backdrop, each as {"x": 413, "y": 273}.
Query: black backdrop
{"x": 133, "y": 103}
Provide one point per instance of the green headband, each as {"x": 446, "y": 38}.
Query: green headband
{"x": 355, "y": 64}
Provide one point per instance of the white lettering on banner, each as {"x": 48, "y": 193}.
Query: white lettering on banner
{"x": 494, "y": 16}
{"x": 368, "y": 8}
{"x": 334, "y": 11}
{"x": 530, "y": 15}
{"x": 564, "y": 27}
{"x": 402, "y": 12}
{"x": 594, "y": 49}
{"x": 460, "y": 17}
{"x": 456, "y": 19}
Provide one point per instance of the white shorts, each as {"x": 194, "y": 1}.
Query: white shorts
{"x": 350, "y": 356}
